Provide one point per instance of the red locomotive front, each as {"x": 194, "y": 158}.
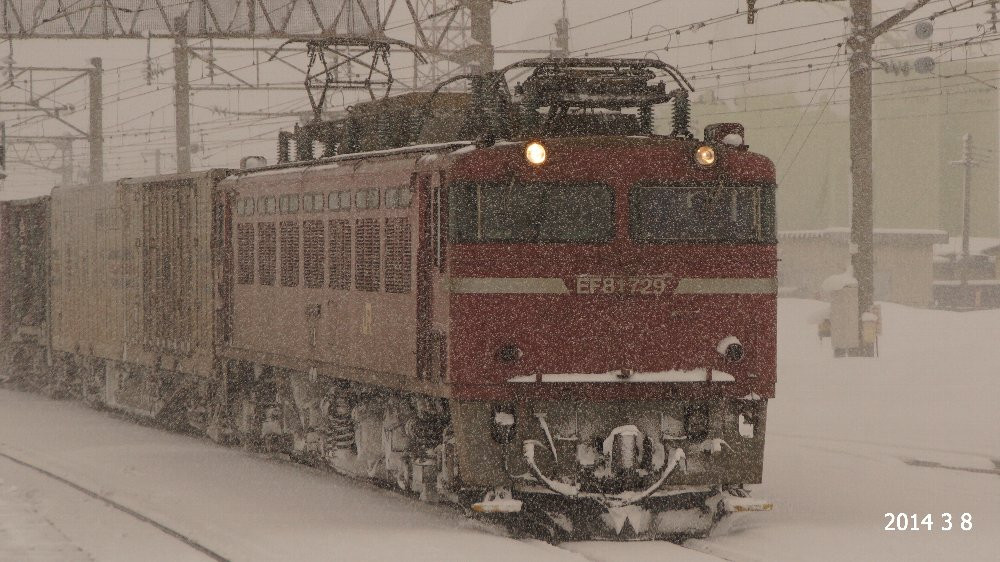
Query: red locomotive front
{"x": 611, "y": 322}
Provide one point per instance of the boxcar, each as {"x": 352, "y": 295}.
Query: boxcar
{"x": 133, "y": 287}
{"x": 24, "y": 285}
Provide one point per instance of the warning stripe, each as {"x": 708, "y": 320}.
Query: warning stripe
{"x": 556, "y": 286}
{"x": 728, "y": 285}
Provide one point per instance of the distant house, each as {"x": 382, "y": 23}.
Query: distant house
{"x": 994, "y": 252}
{"x": 904, "y": 270}
{"x": 981, "y": 286}
{"x": 918, "y": 123}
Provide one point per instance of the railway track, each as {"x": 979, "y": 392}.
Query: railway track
{"x": 181, "y": 537}
{"x": 642, "y": 551}
{"x": 591, "y": 551}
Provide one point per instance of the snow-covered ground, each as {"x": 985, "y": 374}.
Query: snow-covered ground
{"x": 842, "y": 431}
{"x": 914, "y": 431}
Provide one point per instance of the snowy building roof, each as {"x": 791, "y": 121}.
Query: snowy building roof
{"x": 839, "y": 233}
{"x": 977, "y": 246}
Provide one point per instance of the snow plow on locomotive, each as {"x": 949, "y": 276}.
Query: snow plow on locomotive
{"x": 521, "y": 301}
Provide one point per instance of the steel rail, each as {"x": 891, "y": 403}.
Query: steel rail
{"x": 124, "y": 509}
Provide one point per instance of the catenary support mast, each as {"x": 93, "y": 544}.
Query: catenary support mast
{"x": 95, "y": 134}
{"x": 182, "y": 97}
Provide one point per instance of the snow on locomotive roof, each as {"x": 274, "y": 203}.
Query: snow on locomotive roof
{"x": 333, "y": 161}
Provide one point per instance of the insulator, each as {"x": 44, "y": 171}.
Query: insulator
{"x": 341, "y": 422}
{"x": 303, "y": 143}
{"x": 416, "y": 124}
{"x": 681, "y": 115}
{"x": 353, "y": 134}
{"x": 284, "y": 150}
{"x": 646, "y": 119}
{"x": 382, "y": 139}
{"x": 328, "y": 136}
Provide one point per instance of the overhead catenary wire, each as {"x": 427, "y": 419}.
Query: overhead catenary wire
{"x": 789, "y": 70}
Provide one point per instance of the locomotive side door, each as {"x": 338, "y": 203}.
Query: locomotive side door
{"x": 431, "y": 275}
{"x": 222, "y": 263}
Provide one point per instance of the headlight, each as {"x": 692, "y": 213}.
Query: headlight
{"x": 535, "y": 153}
{"x": 705, "y": 155}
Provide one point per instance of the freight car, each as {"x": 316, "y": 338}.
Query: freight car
{"x": 24, "y": 283}
{"x": 563, "y": 321}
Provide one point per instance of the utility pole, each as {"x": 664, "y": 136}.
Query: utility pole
{"x": 157, "y": 159}
{"x": 562, "y": 34}
{"x": 968, "y": 162}
{"x": 863, "y": 36}
{"x": 182, "y": 96}
{"x": 95, "y": 134}
{"x": 3, "y": 150}
{"x": 862, "y": 212}
{"x": 66, "y": 169}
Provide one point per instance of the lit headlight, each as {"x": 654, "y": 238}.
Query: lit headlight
{"x": 535, "y": 153}
{"x": 705, "y": 155}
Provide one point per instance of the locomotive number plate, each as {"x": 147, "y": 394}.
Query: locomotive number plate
{"x": 650, "y": 285}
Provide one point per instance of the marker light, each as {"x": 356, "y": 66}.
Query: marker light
{"x": 705, "y": 155}
{"x": 731, "y": 349}
{"x": 535, "y": 153}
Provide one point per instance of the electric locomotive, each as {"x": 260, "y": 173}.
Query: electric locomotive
{"x": 565, "y": 322}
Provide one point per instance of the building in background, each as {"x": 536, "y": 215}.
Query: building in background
{"x": 919, "y": 121}
{"x": 904, "y": 270}
{"x": 971, "y": 283}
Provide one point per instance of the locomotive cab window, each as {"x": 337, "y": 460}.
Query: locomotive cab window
{"x": 398, "y": 197}
{"x": 366, "y": 198}
{"x": 532, "y": 213}
{"x": 339, "y": 201}
{"x": 685, "y": 213}
{"x": 289, "y": 203}
{"x": 312, "y": 202}
{"x": 267, "y": 205}
{"x": 244, "y": 207}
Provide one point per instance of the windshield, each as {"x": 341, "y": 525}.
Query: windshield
{"x": 532, "y": 213}
{"x": 667, "y": 214}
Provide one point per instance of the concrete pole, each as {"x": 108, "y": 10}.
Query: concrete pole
{"x": 863, "y": 35}
{"x": 862, "y": 212}
{"x": 182, "y": 96}
{"x": 966, "y": 196}
{"x": 562, "y": 34}
{"x": 96, "y": 133}
{"x": 66, "y": 167}
{"x": 968, "y": 162}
